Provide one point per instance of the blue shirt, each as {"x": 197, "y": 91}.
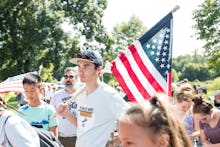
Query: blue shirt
{"x": 39, "y": 116}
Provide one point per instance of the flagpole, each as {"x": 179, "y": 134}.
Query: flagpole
{"x": 177, "y": 7}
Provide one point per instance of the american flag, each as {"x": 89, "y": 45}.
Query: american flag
{"x": 145, "y": 67}
{"x": 12, "y": 84}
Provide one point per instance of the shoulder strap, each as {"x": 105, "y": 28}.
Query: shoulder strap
{"x": 7, "y": 119}
{"x": 4, "y": 128}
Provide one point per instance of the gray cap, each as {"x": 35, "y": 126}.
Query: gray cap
{"x": 88, "y": 55}
{"x": 217, "y": 92}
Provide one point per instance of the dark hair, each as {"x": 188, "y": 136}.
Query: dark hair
{"x": 32, "y": 78}
{"x": 201, "y": 105}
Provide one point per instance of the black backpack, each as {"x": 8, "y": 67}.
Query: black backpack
{"x": 47, "y": 138}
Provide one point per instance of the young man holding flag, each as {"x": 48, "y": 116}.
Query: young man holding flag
{"x": 98, "y": 106}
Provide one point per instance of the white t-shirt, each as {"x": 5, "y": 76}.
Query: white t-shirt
{"x": 97, "y": 114}
{"x": 49, "y": 95}
{"x": 65, "y": 128}
{"x": 18, "y": 131}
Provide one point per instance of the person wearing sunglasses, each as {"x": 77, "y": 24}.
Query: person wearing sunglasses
{"x": 67, "y": 132}
{"x": 209, "y": 121}
{"x": 98, "y": 106}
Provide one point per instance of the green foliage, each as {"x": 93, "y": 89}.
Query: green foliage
{"x": 192, "y": 67}
{"x": 126, "y": 33}
{"x": 193, "y": 71}
{"x": 175, "y": 77}
{"x": 31, "y": 33}
{"x": 216, "y": 84}
{"x": 207, "y": 29}
{"x": 123, "y": 35}
{"x": 211, "y": 85}
{"x": 214, "y": 62}
{"x": 9, "y": 97}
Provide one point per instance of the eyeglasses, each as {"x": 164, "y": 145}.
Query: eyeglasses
{"x": 70, "y": 77}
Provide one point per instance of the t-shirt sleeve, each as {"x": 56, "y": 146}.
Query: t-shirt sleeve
{"x": 116, "y": 104}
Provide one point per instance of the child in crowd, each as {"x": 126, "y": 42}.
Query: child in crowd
{"x": 37, "y": 112}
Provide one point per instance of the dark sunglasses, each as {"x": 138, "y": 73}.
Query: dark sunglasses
{"x": 70, "y": 77}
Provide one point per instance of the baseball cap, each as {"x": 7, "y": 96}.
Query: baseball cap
{"x": 203, "y": 88}
{"x": 88, "y": 55}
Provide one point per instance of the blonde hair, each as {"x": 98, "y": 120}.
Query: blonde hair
{"x": 155, "y": 117}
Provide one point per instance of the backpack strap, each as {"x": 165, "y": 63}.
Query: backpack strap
{"x": 4, "y": 128}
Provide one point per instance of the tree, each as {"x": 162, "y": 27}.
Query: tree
{"x": 208, "y": 29}
{"x": 175, "y": 77}
{"x": 126, "y": 33}
{"x": 123, "y": 35}
{"x": 31, "y": 33}
{"x": 193, "y": 71}
{"x": 180, "y": 61}
{"x": 192, "y": 67}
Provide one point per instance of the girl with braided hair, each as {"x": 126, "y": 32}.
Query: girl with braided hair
{"x": 209, "y": 121}
{"x": 14, "y": 130}
{"x": 152, "y": 123}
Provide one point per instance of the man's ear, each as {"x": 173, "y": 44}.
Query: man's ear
{"x": 164, "y": 140}
{"x": 99, "y": 69}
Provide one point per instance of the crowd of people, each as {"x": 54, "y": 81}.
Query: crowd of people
{"x": 102, "y": 116}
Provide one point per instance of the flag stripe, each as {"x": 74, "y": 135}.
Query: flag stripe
{"x": 133, "y": 76}
{"x": 169, "y": 84}
{"x": 145, "y": 67}
{"x": 126, "y": 83}
{"x": 137, "y": 68}
{"x": 122, "y": 82}
{"x": 13, "y": 84}
{"x": 150, "y": 78}
{"x": 160, "y": 81}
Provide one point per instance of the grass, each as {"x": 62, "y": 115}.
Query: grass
{"x": 211, "y": 85}
{"x": 10, "y": 99}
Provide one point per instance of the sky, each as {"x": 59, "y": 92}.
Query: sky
{"x": 150, "y": 12}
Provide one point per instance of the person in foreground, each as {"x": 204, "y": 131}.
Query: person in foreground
{"x": 152, "y": 124}
{"x": 98, "y": 106}
{"x": 14, "y": 131}
{"x": 209, "y": 121}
